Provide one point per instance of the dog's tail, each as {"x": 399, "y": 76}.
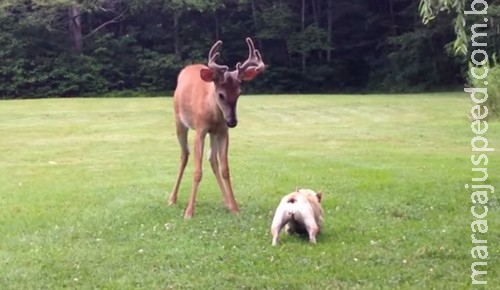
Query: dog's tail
{"x": 291, "y": 209}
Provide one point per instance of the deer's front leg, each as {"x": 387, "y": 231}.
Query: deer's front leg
{"x": 199, "y": 141}
{"x": 223, "y": 145}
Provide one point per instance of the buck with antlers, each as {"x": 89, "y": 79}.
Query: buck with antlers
{"x": 205, "y": 100}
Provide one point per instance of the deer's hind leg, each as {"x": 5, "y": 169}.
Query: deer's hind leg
{"x": 214, "y": 162}
{"x": 182, "y": 136}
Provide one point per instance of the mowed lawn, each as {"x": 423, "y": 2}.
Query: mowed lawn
{"x": 84, "y": 184}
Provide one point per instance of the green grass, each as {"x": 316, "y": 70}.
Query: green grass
{"x": 84, "y": 183}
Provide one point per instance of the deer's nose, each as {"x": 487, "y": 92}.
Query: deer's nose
{"x": 232, "y": 123}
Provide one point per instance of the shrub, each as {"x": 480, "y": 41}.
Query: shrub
{"x": 493, "y": 86}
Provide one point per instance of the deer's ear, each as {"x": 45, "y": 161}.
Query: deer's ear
{"x": 249, "y": 74}
{"x": 207, "y": 75}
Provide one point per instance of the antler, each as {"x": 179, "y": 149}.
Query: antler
{"x": 254, "y": 59}
{"x": 213, "y": 55}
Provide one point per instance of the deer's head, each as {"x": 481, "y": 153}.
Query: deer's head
{"x": 227, "y": 83}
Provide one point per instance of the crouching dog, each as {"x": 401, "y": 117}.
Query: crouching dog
{"x": 299, "y": 212}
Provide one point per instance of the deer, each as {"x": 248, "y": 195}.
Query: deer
{"x": 205, "y": 100}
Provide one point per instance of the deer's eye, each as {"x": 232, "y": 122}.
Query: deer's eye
{"x": 222, "y": 97}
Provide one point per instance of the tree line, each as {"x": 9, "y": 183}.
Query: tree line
{"x": 99, "y": 47}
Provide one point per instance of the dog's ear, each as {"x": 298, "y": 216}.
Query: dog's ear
{"x": 319, "y": 194}
{"x": 297, "y": 189}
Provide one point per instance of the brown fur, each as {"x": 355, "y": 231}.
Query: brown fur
{"x": 205, "y": 101}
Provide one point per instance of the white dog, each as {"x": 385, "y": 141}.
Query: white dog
{"x": 301, "y": 212}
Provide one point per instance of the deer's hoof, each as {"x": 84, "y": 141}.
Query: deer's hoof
{"x": 188, "y": 215}
{"x": 172, "y": 200}
{"x": 233, "y": 208}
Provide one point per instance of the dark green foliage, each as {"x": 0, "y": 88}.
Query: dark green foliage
{"x": 140, "y": 46}
{"x": 493, "y": 86}
{"x": 409, "y": 64}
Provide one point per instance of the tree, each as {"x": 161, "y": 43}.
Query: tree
{"x": 77, "y": 47}
{"x": 430, "y": 8}
{"x": 66, "y": 15}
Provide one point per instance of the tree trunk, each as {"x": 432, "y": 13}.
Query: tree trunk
{"x": 177, "y": 45}
{"x": 315, "y": 12}
{"x": 254, "y": 16}
{"x": 120, "y": 29}
{"x": 254, "y": 13}
{"x": 303, "y": 28}
{"x": 75, "y": 28}
{"x": 391, "y": 13}
{"x": 216, "y": 26}
{"x": 315, "y": 8}
{"x": 433, "y": 52}
{"x": 329, "y": 29}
